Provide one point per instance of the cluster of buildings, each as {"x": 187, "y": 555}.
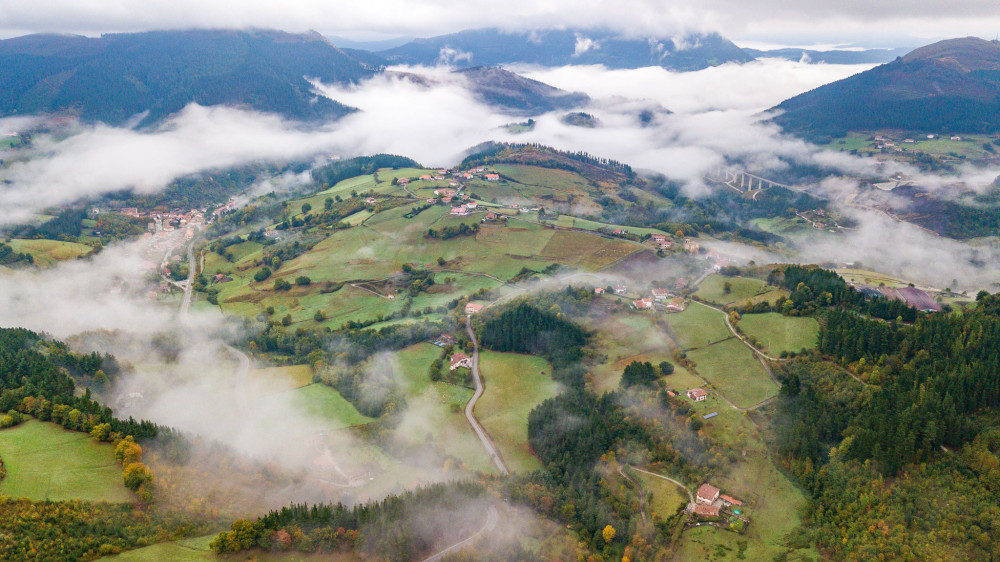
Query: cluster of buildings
{"x": 710, "y": 501}
{"x": 465, "y": 209}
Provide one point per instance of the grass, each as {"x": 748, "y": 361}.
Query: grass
{"x": 698, "y": 326}
{"x": 624, "y": 337}
{"x": 325, "y": 402}
{"x": 667, "y": 496}
{"x": 734, "y": 371}
{"x": 46, "y": 462}
{"x": 435, "y": 415}
{"x": 49, "y": 252}
{"x": 184, "y": 550}
{"x": 742, "y": 289}
{"x": 780, "y": 333}
{"x": 515, "y": 384}
{"x": 284, "y": 378}
{"x": 586, "y": 251}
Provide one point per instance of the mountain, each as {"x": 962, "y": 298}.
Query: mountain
{"x": 117, "y": 76}
{"x": 499, "y": 87}
{"x": 836, "y": 56}
{"x": 949, "y": 86}
{"x": 492, "y": 47}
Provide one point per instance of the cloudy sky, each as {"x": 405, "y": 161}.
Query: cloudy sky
{"x": 795, "y": 22}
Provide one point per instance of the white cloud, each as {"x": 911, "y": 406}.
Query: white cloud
{"x": 584, "y": 44}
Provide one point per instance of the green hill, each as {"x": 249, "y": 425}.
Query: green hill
{"x": 117, "y": 76}
{"x": 950, "y": 86}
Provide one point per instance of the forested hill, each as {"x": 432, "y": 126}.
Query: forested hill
{"x": 951, "y": 86}
{"x": 117, "y": 76}
{"x": 558, "y": 47}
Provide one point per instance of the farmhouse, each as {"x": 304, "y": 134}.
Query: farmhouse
{"x": 425, "y": 177}
{"x": 492, "y": 177}
{"x": 691, "y": 246}
{"x": 660, "y": 294}
{"x": 697, "y": 394}
{"x": 459, "y": 211}
{"x": 444, "y": 340}
{"x": 659, "y": 238}
{"x": 371, "y": 200}
{"x": 598, "y": 290}
{"x": 707, "y": 494}
{"x": 666, "y": 244}
{"x": 471, "y": 205}
{"x": 706, "y": 510}
{"x": 473, "y": 308}
{"x": 730, "y": 500}
{"x": 620, "y": 289}
{"x": 643, "y": 304}
{"x": 618, "y": 231}
{"x": 676, "y": 304}
{"x": 460, "y": 360}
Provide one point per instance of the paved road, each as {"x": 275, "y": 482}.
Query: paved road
{"x": 483, "y": 437}
{"x": 491, "y": 521}
{"x": 186, "y": 302}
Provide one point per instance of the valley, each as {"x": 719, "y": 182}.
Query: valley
{"x": 263, "y": 297}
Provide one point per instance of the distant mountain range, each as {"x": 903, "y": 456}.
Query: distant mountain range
{"x": 835, "y": 56}
{"x": 949, "y": 86}
{"x": 116, "y": 77}
{"x": 492, "y": 47}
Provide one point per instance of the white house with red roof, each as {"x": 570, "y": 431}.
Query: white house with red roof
{"x": 643, "y": 304}
{"x": 697, "y": 395}
{"x": 473, "y": 308}
{"x": 460, "y": 360}
{"x": 707, "y": 494}
{"x": 459, "y": 211}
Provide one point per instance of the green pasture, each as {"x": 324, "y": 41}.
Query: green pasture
{"x": 515, "y": 384}
{"x": 46, "y": 462}
{"x": 780, "y": 333}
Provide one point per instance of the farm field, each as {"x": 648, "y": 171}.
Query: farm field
{"x": 735, "y": 371}
{"x": 698, "y": 326}
{"x": 283, "y": 378}
{"x": 49, "y": 252}
{"x": 183, "y": 550}
{"x": 780, "y": 333}
{"x": 624, "y": 337}
{"x": 515, "y": 384}
{"x": 667, "y": 496}
{"x": 46, "y": 462}
{"x": 325, "y": 402}
{"x": 783, "y": 225}
{"x": 712, "y": 289}
{"x": 435, "y": 415}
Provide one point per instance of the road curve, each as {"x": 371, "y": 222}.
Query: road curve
{"x": 667, "y": 478}
{"x": 483, "y": 437}
{"x": 491, "y": 521}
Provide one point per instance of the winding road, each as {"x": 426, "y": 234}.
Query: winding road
{"x": 491, "y": 449}
{"x": 491, "y": 521}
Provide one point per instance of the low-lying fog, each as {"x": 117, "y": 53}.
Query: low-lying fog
{"x": 715, "y": 120}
